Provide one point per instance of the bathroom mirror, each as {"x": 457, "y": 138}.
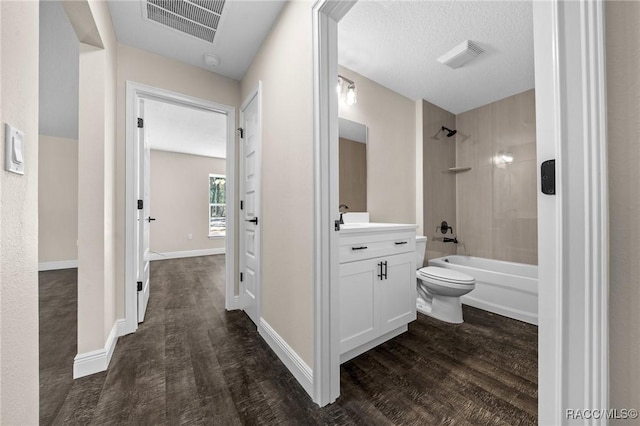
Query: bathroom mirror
{"x": 352, "y": 160}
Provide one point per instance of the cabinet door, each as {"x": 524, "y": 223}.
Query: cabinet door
{"x": 396, "y": 295}
{"x": 358, "y": 323}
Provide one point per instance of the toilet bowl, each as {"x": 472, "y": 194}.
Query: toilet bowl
{"x": 439, "y": 289}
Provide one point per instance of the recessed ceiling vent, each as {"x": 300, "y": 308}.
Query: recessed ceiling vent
{"x": 198, "y": 18}
{"x": 461, "y": 54}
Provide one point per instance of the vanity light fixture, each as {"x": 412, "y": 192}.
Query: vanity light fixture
{"x": 347, "y": 91}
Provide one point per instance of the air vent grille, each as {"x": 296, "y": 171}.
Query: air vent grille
{"x": 198, "y": 18}
{"x": 461, "y": 54}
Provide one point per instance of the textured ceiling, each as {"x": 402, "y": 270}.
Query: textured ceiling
{"x": 187, "y": 130}
{"x": 243, "y": 27}
{"x": 397, "y": 43}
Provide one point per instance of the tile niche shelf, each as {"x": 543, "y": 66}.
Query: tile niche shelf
{"x": 457, "y": 169}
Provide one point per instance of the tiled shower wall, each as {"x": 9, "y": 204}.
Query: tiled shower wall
{"x": 496, "y": 201}
{"x": 439, "y": 186}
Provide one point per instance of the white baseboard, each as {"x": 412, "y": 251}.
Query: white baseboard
{"x": 93, "y": 362}
{"x": 186, "y": 253}
{"x": 233, "y": 304}
{"x": 60, "y": 264}
{"x": 121, "y": 327}
{"x": 300, "y": 370}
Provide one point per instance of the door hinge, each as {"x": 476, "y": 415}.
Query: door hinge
{"x": 140, "y": 204}
{"x": 241, "y": 132}
{"x": 241, "y": 277}
{"x": 241, "y": 205}
{"x": 140, "y": 123}
{"x": 139, "y": 285}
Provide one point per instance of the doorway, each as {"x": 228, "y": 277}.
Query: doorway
{"x": 137, "y": 249}
{"x": 569, "y": 42}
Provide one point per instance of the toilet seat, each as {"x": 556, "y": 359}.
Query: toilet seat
{"x": 445, "y": 276}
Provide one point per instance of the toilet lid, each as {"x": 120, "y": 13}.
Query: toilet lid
{"x": 445, "y": 274}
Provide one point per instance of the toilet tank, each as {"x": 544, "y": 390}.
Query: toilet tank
{"x": 421, "y": 248}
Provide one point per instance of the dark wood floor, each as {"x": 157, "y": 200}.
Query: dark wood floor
{"x": 191, "y": 362}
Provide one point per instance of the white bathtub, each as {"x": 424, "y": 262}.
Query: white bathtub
{"x": 506, "y": 288}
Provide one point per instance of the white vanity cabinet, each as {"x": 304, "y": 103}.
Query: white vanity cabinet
{"x": 377, "y": 285}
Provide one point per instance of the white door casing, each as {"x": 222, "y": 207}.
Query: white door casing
{"x": 135, "y": 92}
{"x": 143, "y": 264}
{"x": 250, "y": 200}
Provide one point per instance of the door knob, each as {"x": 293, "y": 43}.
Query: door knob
{"x": 254, "y": 220}
{"x": 150, "y": 219}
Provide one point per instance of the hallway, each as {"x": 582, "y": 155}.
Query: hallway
{"x": 191, "y": 362}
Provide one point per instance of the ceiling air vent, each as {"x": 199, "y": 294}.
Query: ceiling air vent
{"x": 198, "y": 18}
{"x": 461, "y": 54}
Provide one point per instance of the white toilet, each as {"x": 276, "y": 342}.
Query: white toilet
{"x": 439, "y": 289}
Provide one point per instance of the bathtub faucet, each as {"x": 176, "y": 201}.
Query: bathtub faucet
{"x": 450, "y": 240}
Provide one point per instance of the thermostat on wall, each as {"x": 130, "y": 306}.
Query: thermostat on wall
{"x": 14, "y": 149}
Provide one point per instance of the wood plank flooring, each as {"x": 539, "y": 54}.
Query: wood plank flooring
{"x": 192, "y": 362}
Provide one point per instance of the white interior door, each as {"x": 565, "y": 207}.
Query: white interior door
{"x": 144, "y": 218}
{"x": 250, "y": 188}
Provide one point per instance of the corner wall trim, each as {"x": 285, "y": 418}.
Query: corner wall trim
{"x": 58, "y": 264}
{"x": 300, "y": 370}
{"x": 186, "y": 253}
{"x": 88, "y": 363}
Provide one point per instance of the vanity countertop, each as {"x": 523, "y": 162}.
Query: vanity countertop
{"x": 355, "y": 228}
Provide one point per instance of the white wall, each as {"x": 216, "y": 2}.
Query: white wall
{"x": 391, "y": 149}
{"x": 19, "y": 217}
{"x": 284, "y": 65}
{"x": 180, "y": 201}
{"x": 57, "y": 199}
{"x": 153, "y": 70}
{"x": 623, "y": 91}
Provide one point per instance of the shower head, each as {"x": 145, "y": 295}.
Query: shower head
{"x": 449, "y": 131}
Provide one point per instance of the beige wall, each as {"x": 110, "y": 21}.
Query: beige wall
{"x": 391, "y": 139}
{"x": 19, "y": 217}
{"x": 623, "y": 91}
{"x": 180, "y": 201}
{"x": 154, "y": 70}
{"x": 439, "y": 186}
{"x": 284, "y": 65}
{"x": 57, "y": 199}
{"x": 96, "y": 178}
{"x": 496, "y": 203}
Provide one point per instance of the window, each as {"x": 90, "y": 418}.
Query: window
{"x": 217, "y": 207}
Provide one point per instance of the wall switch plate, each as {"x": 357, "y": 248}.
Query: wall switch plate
{"x": 14, "y": 149}
{"x": 189, "y": 236}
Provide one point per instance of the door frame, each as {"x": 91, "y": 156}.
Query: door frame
{"x": 135, "y": 92}
{"x": 571, "y": 127}
{"x": 255, "y": 93}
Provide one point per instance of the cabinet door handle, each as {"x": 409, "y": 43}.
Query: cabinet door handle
{"x": 359, "y": 248}
{"x": 401, "y": 243}
{"x": 380, "y": 270}
{"x": 385, "y": 269}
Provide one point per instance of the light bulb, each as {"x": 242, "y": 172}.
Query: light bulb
{"x": 351, "y": 95}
